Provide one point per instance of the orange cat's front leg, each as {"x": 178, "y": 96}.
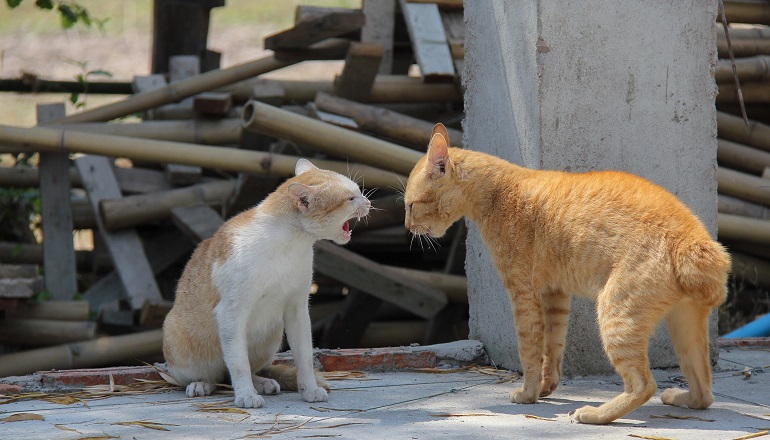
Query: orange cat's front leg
{"x": 530, "y": 328}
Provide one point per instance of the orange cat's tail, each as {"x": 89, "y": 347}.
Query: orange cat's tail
{"x": 286, "y": 376}
{"x": 701, "y": 267}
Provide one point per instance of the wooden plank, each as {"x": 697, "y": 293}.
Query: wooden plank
{"x": 20, "y": 287}
{"x": 361, "y": 66}
{"x": 198, "y": 222}
{"x": 366, "y": 275}
{"x": 429, "y": 41}
{"x": 182, "y": 67}
{"x": 380, "y": 23}
{"x": 454, "y": 5}
{"x": 350, "y": 322}
{"x": 128, "y": 256}
{"x": 58, "y": 247}
{"x": 182, "y": 28}
{"x": 313, "y": 30}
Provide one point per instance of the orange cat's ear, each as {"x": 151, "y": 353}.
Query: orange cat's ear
{"x": 303, "y": 196}
{"x": 440, "y": 129}
{"x": 438, "y": 156}
{"x": 302, "y": 166}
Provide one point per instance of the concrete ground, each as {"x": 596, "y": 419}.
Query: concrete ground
{"x": 407, "y": 404}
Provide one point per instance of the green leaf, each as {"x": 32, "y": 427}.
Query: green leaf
{"x": 84, "y": 17}
{"x": 13, "y": 3}
{"x": 99, "y": 72}
{"x": 74, "y": 98}
{"x": 44, "y": 4}
{"x": 68, "y": 16}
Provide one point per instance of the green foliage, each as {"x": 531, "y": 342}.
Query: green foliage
{"x": 78, "y": 100}
{"x": 70, "y": 12}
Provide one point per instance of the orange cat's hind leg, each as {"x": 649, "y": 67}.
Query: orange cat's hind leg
{"x": 556, "y": 306}
{"x": 688, "y": 325}
{"x": 625, "y": 327}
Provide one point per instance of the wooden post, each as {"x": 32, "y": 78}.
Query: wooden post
{"x": 58, "y": 247}
{"x": 359, "y": 72}
{"x": 378, "y": 29}
{"x": 125, "y": 247}
{"x": 198, "y": 222}
{"x": 181, "y": 67}
{"x": 181, "y": 27}
{"x": 429, "y": 42}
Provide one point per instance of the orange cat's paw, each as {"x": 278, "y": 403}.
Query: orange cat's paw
{"x": 519, "y": 395}
{"x": 266, "y": 386}
{"x": 589, "y": 415}
{"x": 684, "y": 398}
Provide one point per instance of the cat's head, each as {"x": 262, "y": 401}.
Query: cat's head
{"x": 326, "y": 201}
{"x": 432, "y": 199}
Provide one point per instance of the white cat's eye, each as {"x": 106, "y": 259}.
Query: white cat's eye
{"x": 352, "y": 198}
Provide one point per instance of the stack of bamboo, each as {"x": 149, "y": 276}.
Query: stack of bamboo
{"x": 210, "y": 145}
{"x": 744, "y": 149}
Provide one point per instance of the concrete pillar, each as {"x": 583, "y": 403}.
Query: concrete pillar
{"x": 576, "y": 86}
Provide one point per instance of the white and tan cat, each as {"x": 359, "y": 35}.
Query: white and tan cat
{"x": 249, "y": 282}
{"x": 611, "y": 236}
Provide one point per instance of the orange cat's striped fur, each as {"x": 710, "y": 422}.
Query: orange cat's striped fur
{"x": 611, "y": 236}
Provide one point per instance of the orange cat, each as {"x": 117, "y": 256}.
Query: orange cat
{"x": 608, "y": 235}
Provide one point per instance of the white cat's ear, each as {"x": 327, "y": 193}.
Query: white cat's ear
{"x": 440, "y": 129}
{"x": 302, "y": 166}
{"x": 438, "y": 156}
{"x": 303, "y": 196}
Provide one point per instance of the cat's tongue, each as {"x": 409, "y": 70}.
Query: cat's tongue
{"x": 346, "y": 227}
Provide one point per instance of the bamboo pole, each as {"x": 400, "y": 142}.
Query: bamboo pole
{"x": 33, "y": 84}
{"x": 178, "y": 90}
{"x": 455, "y": 286}
{"x": 753, "y": 93}
{"x": 744, "y": 186}
{"x": 386, "y": 89}
{"x": 738, "y": 11}
{"x": 384, "y": 122}
{"x": 146, "y": 208}
{"x": 29, "y": 177}
{"x": 733, "y": 205}
{"x": 230, "y": 159}
{"x": 340, "y": 142}
{"x": 44, "y": 332}
{"x": 739, "y": 228}
{"x": 95, "y": 353}
{"x": 59, "y": 310}
{"x": 749, "y": 69}
{"x": 744, "y": 48}
{"x": 743, "y": 32}
{"x": 732, "y": 127}
{"x": 740, "y": 157}
{"x": 24, "y": 253}
{"x": 195, "y": 131}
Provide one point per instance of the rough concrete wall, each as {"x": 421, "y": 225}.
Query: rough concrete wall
{"x": 619, "y": 85}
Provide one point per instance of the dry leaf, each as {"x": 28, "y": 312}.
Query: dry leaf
{"x": 648, "y": 437}
{"x": 64, "y": 428}
{"x": 530, "y": 416}
{"x": 327, "y": 409}
{"x": 755, "y": 435}
{"x": 112, "y": 384}
{"x": 674, "y": 416}
{"x": 343, "y": 375}
{"x": 145, "y": 424}
{"x": 22, "y": 417}
{"x": 223, "y": 410}
{"x": 461, "y": 415}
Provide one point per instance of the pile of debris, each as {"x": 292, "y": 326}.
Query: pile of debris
{"x": 744, "y": 157}
{"x": 212, "y": 144}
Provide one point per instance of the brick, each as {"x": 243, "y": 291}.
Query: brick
{"x": 375, "y": 359}
{"x": 6, "y": 388}
{"x": 745, "y": 342}
{"x": 96, "y": 376}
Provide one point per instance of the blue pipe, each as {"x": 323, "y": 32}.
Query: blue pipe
{"x": 756, "y": 328}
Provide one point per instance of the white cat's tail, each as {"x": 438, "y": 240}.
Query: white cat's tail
{"x": 286, "y": 376}
{"x": 701, "y": 267}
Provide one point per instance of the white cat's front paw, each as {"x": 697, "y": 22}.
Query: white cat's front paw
{"x": 316, "y": 394}
{"x": 248, "y": 400}
{"x": 198, "y": 389}
{"x": 266, "y": 386}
